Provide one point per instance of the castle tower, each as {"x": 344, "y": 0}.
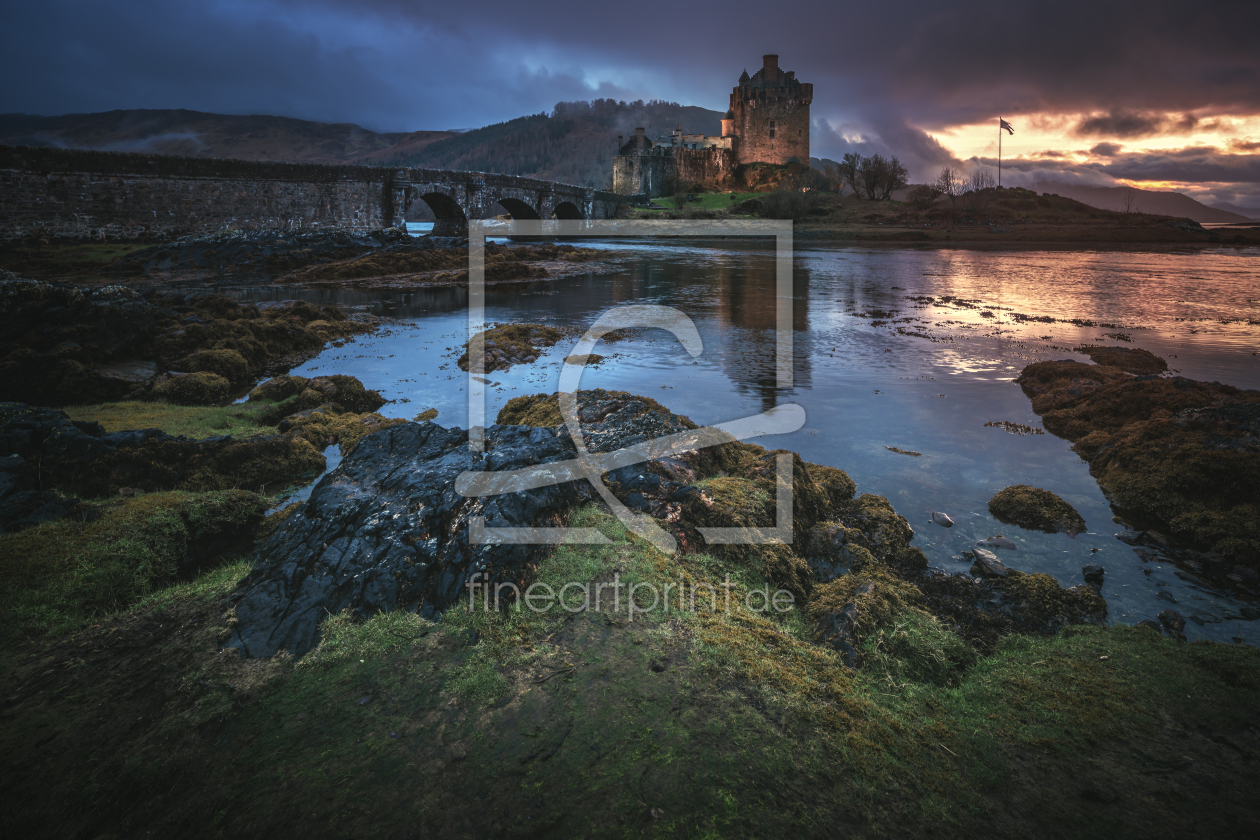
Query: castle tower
{"x": 770, "y": 115}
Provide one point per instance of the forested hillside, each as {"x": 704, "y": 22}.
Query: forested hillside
{"x": 574, "y": 144}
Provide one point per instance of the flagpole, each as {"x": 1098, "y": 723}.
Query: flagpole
{"x": 999, "y": 152}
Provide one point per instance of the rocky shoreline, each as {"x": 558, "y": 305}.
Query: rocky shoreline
{"x": 386, "y": 530}
{"x": 1174, "y": 455}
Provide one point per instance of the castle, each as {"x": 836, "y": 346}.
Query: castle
{"x": 768, "y": 122}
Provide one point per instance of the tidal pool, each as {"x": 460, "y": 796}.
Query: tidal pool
{"x": 914, "y": 348}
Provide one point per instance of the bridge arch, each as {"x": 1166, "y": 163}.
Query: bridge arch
{"x": 451, "y": 220}
{"x": 567, "y": 210}
{"x": 518, "y": 209}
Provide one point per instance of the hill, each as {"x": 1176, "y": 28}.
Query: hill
{"x": 200, "y": 134}
{"x": 1156, "y": 202}
{"x": 573, "y": 144}
{"x": 1252, "y": 213}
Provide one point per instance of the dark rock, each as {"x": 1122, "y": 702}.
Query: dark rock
{"x": 1093, "y": 574}
{"x": 999, "y": 542}
{"x": 1129, "y": 537}
{"x": 386, "y": 529}
{"x": 1196, "y": 620}
{"x": 1171, "y": 620}
{"x": 1173, "y": 624}
{"x": 1249, "y": 613}
{"x": 987, "y": 565}
{"x": 1165, "y": 595}
{"x": 1152, "y": 625}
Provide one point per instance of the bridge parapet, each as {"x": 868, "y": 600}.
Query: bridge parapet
{"x": 113, "y": 195}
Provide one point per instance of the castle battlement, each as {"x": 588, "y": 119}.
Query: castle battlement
{"x": 767, "y": 122}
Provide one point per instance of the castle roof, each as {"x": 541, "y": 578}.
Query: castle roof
{"x": 743, "y": 77}
{"x": 729, "y": 115}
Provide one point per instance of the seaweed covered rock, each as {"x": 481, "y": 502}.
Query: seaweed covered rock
{"x": 426, "y": 262}
{"x": 80, "y": 458}
{"x": 323, "y": 426}
{"x": 228, "y": 364}
{"x": 1175, "y": 452}
{"x": 1036, "y": 509}
{"x": 62, "y": 344}
{"x": 511, "y": 344}
{"x": 279, "y": 388}
{"x": 1128, "y": 359}
{"x": 254, "y": 252}
{"x": 55, "y": 337}
{"x": 192, "y": 389}
{"x": 332, "y": 394}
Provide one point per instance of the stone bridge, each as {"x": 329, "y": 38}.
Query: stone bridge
{"x": 63, "y": 193}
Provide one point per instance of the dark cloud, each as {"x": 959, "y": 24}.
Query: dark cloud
{"x": 1198, "y": 163}
{"x": 1245, "y": 145}
{"x": 1204, "y": 173}
{"x": 1120, "y": 123}
{"x": 884, "y": 74}
{"x": 1106, "y": 149}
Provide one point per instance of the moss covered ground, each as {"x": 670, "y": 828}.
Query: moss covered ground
{"x": 700, "y": 721}
{"x": 240, "y": 420}
{"x": 58, "y": 575}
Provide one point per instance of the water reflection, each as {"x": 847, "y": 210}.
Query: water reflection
{"x": 908, "y": 348}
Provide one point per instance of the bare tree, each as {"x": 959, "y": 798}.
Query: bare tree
{"x": 849, "y": 172}
{"x": 981, "y": 179}
{"x": 896, "y": 176}
{"x": 980, "y": 189}
{"x": 1130, "y": 201}
{"x": 950, "y": 184}
{"x": 923, "y": 196}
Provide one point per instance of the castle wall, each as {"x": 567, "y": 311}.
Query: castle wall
{"x": 711, "y": 167}
{"x": 649, "y": 175}
{"x": 790, "y": 119}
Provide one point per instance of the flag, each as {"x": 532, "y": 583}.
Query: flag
{"x": 1006, "y": 125}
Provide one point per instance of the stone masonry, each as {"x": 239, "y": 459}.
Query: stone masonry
{"x": 62, "y": 193}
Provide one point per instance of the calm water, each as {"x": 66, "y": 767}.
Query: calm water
{"x": 873, "y": 368}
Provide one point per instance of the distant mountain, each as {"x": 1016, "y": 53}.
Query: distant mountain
{"x": 199, "y": 134}
{"x": 574, "y": 144}
{"x": 1158, "y": 202}
{"x": 1252, "y": 213}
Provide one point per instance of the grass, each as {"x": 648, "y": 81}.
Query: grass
{"x": 699, "y": 722}
{"x": 59, "y": 575}
{"x": 241, "y": 420}
{"x": 709, "y": 200}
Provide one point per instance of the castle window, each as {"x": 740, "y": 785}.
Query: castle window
{"x": 772, "y": 134}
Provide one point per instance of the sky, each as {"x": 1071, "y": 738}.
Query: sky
{"x": 1154, "y": 94}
